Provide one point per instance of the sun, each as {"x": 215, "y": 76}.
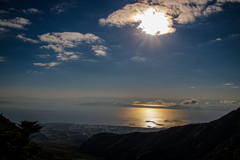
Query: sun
{"x": 153, "y": 22}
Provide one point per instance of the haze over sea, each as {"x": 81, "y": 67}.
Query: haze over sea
{"x": 108, "y": 113}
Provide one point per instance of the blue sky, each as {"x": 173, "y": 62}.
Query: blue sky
{"x": 57, "y": 49}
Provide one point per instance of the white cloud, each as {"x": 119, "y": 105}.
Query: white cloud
{"x": 61, "y": 7}
{"x": 50, "y": 64}
{"x": 136, "y": 102}
{"x": 56, "y": 48}
{"x": 33, "y": 72}
{"x": 3, "y": 12}
{"x": 31, "y": 10}
{"x": 234, "y": 87}
{"x": 151, "y": 102}
{"x": 2, "y": 59}
{"x": 67, "y": 56}
{"x": 100, "y": 50}
{"x": 234, "y": 35}
{"x": 184, "y": 11}
{"x": 62, "y": 42}
{"x": 68, "y": 53}
{"x": 160, "y": 102}
{"x": 3, "y": 30}
{"x": 43, "y": 55}
{"x": 40, "y": 64}
{"x": 206, "y": 102}
{"x": 192, "y": 101}
{"x": 218, "y": 39}
{"x": 228, "y": 84}
{"x": 91, "y": 38}
{"x": 188, "y": 13}
{"x": 224, "y": 1}
{"x": 125, "y": 15}
{"x": 227, "y": 102}
{"x": 138, "y": 59}
{"x": 131, "y": 14}
{"x": 21, "y": 36}
{"x": 89, "y": 60}
{"x": 73, "y": 57}
{"x": 212, "y": 9}
{"x": 69, "y": 39}
{"x": 17, "y": 22}
{"x": 62, "y": 57}
{"x": 165, "y": 103}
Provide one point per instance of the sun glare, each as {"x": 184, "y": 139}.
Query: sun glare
{"x": 150, "y": 105}
{"x": 153, "y": 22}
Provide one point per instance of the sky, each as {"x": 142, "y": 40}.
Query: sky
{"x": 158, "y": 49}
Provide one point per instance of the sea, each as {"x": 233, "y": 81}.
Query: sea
{"x": 113, "y": 115}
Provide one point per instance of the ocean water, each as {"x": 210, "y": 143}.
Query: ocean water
{"x": 112, "y": 115}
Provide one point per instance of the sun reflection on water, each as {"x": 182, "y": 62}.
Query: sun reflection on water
{"x": 152, "y": 117}
{"x": 150, "y": 105}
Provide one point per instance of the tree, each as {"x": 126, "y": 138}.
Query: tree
{"x": 15, "y": 143}
{"x": 29, "y": 127}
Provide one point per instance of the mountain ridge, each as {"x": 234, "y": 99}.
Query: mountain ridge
{"x": 189, "y": 142}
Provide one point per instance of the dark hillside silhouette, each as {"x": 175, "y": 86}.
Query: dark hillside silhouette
{"x": 28, "y": 128}
{"x": 16, "y": 144}
{"x": 215, "y": 140}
